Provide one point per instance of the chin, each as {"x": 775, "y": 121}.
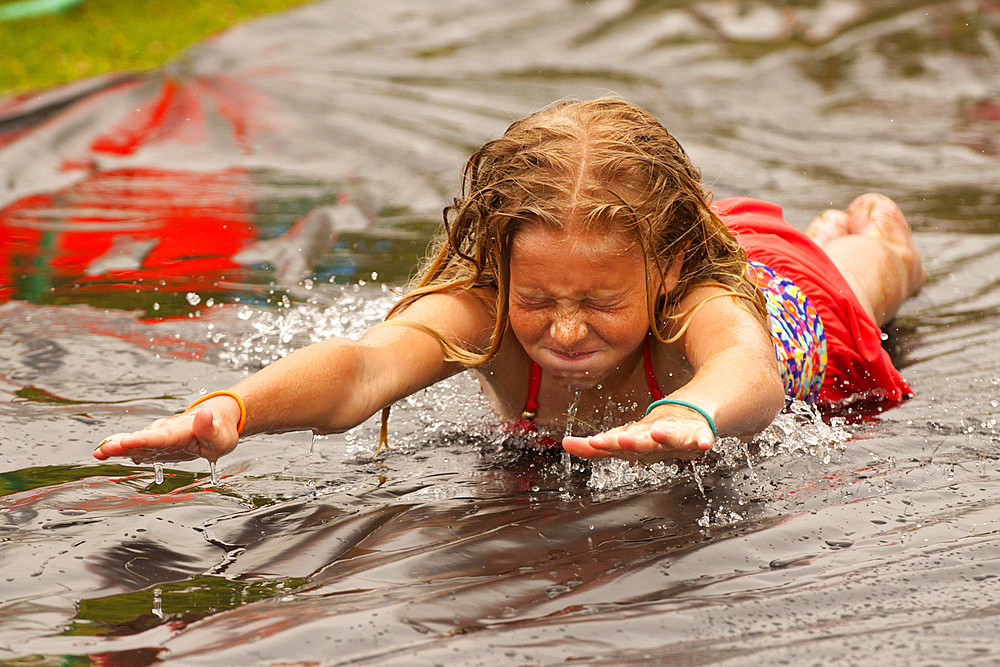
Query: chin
{"x": 579, "y": 381}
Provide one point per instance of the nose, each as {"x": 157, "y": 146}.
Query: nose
{"x": 568, "y": 327}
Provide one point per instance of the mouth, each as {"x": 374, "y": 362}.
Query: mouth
{"x": 575, "y": 370}
{"x": 570, "y": 357}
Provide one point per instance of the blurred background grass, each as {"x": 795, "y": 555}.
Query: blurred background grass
{"x": 98, "y": 36}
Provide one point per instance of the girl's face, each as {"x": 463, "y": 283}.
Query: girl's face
{"x": 578, "y": 303}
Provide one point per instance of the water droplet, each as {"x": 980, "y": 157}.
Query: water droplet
{"x": 158, "y": 472}
{"x": 193, "y": 298}
{"x": 157, "y": 609}
{"x": 556, "y": 589}
{"x": 215, "y": 473}
{"x": 840, "y": 544}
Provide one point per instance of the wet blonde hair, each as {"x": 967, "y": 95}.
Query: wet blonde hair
{"x": 605, "y": 166}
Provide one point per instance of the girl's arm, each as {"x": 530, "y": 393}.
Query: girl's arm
{"x": 736, "y": 382}
{"x": 327, "y": 387}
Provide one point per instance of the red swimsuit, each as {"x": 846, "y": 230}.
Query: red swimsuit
{"x": 857, "y": 367}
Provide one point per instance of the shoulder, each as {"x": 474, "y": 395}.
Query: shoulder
{"x": 713, "y": 317}
{"x": 465, "y": 318}
{"x": 713, "y": 305}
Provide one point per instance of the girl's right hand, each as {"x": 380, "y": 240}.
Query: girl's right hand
{"x": 201, "y": 433}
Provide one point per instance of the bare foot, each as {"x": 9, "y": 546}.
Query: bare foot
{"x": 828, "y": 225}
{"x": 879, "y": 217}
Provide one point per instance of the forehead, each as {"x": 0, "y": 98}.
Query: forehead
{"x": 556, "y": 261}
{"x": 538, "y": 239}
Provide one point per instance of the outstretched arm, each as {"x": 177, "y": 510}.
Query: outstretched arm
{"x": 736, "y": 382}
{"x": 327, "y": 387}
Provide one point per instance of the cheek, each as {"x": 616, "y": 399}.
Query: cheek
{"x": 527, "y": 324}
{"x": 628, "y": 327}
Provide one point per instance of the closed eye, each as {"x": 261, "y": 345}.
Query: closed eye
{"x": 530, "y": 303}
{"x": 603, "y": 304}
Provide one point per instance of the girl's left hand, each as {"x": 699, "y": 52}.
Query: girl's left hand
{"x": 649, "y": 440}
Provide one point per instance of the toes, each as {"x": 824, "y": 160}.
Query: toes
{"x": 827, "y": 226}
{"x": 877, "y": 215}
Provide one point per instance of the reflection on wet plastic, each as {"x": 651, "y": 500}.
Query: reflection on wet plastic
{"x": 144, "y": 256}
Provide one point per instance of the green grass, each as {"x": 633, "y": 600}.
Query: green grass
{"x": 101, "y": 36}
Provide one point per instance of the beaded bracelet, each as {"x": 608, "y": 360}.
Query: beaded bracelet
{"x": 231, "y": 394}
{"x": 689, "y": 406}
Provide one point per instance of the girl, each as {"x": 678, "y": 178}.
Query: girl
{"x": 584, "y": 265}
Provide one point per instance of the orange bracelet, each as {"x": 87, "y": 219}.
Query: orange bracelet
{"x": 231, "y": 394}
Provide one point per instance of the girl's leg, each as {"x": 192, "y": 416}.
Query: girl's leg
{"x": 872, "y": 246}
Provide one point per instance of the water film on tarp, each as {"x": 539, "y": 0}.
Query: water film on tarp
{"x": 166, "y": 233}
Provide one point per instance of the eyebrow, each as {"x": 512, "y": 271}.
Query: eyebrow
{"x": 613, "y": 293}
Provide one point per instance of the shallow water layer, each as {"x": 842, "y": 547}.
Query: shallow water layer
{"x": 164, "y": 234}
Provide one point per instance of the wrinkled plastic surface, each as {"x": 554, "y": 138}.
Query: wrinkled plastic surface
{"x": 168, "y": 232}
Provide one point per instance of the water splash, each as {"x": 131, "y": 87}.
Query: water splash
{"x": 453, "y": 408}
{"x": 799, "y": 431}
{"x": 613, "y": 474}
{"x": 456, "y": 405}
{"x": 277, "y": 333}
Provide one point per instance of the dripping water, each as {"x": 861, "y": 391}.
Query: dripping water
{"x": 706, "y": 518}
{"x": 158, "y": 472}
{"x": 215, "y": 473}
{"x": 696, "y": 473}
{"x": 745, "y": 449}
{"x": 567, "y": 459}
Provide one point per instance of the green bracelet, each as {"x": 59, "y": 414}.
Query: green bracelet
{"x": 684, "y": 404}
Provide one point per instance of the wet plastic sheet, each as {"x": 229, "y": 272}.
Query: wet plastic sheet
{"x": 384, "y": 103}
{"x": 167, "y": 232}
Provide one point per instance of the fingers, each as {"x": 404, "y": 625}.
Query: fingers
{"x": 583, "y": 447}
{"x": 703, "y": 440}
{"x": 141, "y": 446}
{"x": 644, "y": 441}
{"x": 110, "y": 446}
{"x": 180, "y": 438}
